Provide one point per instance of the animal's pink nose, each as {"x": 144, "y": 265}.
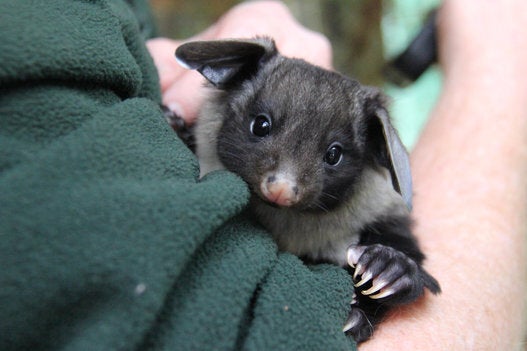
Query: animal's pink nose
{"x": 280, "y": 190}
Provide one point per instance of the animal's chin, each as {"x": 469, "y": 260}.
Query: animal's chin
{"x": 279, "y": 204}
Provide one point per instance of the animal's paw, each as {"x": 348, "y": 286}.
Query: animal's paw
{"x": 358, "y": 325}
{"x": 387, "y": 275}
{"x": 184, "y": 131}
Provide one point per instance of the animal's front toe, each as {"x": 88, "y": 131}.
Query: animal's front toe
{"x": 358, "y": 325}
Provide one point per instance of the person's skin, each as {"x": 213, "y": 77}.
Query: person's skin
{"x": 469, "y": 168}
{"x": 470, "y": 183}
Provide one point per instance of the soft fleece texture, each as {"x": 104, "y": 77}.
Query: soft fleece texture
{"x": 108, "y": 239}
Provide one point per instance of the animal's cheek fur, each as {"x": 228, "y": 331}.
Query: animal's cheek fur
{"x": 244, "y": 159}
{"x": 337, "y": 185}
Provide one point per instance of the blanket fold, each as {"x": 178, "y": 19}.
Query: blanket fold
{"x": 108, "y": 238}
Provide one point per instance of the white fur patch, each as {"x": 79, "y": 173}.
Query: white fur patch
{"x": 206, "y": 131}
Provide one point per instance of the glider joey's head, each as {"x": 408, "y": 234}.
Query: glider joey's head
{"x": 298, "y": 134}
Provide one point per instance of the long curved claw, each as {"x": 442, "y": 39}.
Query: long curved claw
{"x": 366, "y": 276}
{"x": 376, "y": 286}
{"x": 383, "y": 293}
{"x": 354, "y": 299}
{"x": 351, "y": 322}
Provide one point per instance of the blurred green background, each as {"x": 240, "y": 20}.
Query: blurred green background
{"x": 364, "y": 35}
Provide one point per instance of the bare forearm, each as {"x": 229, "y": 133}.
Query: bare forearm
{"x": 470, "y": 173}
{"x": 470, "y": 207}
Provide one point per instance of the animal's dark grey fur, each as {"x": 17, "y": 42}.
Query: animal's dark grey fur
{"x": 329, "y": 176}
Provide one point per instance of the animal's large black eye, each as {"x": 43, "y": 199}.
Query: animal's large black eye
{"x": 333, "y": 154}
{"x": 261, "y": 125}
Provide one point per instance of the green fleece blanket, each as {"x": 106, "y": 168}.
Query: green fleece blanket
{"x": 108, "y": 239}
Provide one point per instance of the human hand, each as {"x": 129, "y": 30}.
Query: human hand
{"x": 182, "y": 89}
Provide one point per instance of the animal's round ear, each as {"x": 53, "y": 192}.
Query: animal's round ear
{"x": 225, "y": 62}
{"x": 386, "y": 146}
